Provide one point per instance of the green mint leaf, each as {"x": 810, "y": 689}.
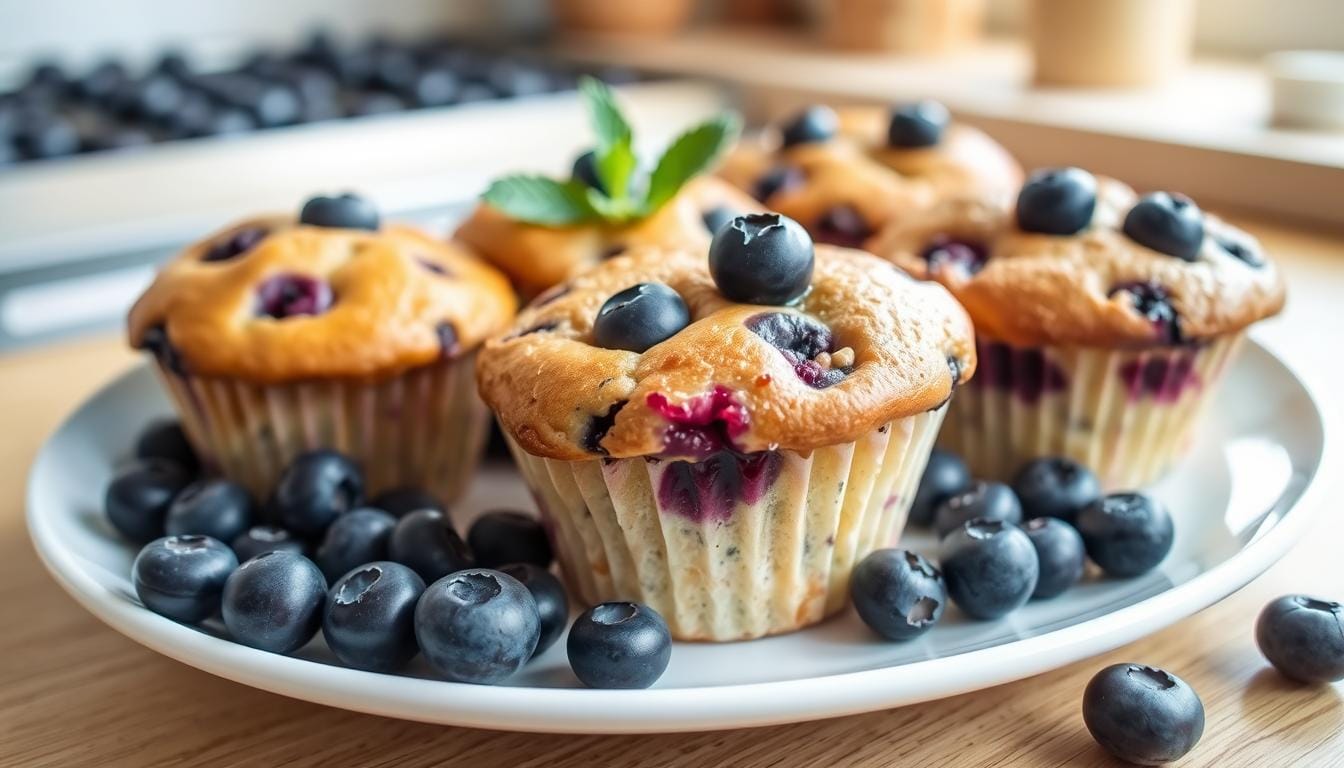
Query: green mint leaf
{"x": 691, "y": 153}
{"x": 613, "y": 210}
{"x": 605, "y": 114}
{"x": 615, "y": 167}
{"x": 539, "y": 200}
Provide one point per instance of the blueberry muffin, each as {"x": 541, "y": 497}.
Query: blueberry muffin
{"x": 1104, "y": 321}
{"x": 277, "y": 336}
{"x": 846, "y": 174}
{"x": 724, "y": 438}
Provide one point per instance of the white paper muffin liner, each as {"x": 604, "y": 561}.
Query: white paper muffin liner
{"x": 1127, "y": 414}
{"x": 425, "y": 427}
{"x": 751, "y": 567}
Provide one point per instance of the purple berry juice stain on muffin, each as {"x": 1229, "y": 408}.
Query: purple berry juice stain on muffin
{"x": 449, "y": 345}
{"x": 800, "y": 339}
{"x": 293, "y": 295}
{"x": 236, "y": 244}
{"x": 1153, "y": 302}
{"x": 1025, "y": 372}
{"x": 702, "y": 425}
{"x": 709, "y": 490}
{"x": 539, "y": 328}
{"x": 433, "y": 266}
{"x": 157, "y": 343}
{"x": 1162, "y": 377}
{"x": 842, "y": 225}
{"x": 598, "y": 427}
{"x": 781, "y": 178}
{"x": 1242, "y": 249}
{"x": 947, "y": 253}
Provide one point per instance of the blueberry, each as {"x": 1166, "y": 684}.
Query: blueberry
{"x": 781, "y": 178}
{"x": 138, "y": 498}
{"x": 293, "y": 295}
{"x": 182, "y": 577}
{"x": 235, "y": 244}
{"x": 316, "y": 488}
{"x": 762, "y": 258}
{"x": 425, "y": 541}
{"x": 1243, "y": 248}
{"x": 501, "y": 537}
{"x": 991, "y": 501}
{"x": 990, "y": 567}
{"x": 944, "y": 476}
{"x": 400, "y": 502}
{"x": 353, "y": 539}
{"x": 1055, "y": 487}
{"x": 347, "y": 211}
{"x": 433, "y": 88}
{"x": 552, "y": 604}
{"x": 1127, "y": 534}
{"x": 1060, "y": 552}
{"x": 369, "y": 619}
{"x": 1154, "y": 303}
{"x": 477, "y": 626}
{"x": 1057, "y": 201}
{"x": 585, "y": 170}
{"x": 52, "y": 136}
{"x": 947, "y": 254}
{"x": 1142, "y": 714}
{"x": 917, "y": 125}
{"x": 619, "y": 645}
{"x": 1303, "y": 638}
{"x": 274, "y": 601}
{"x": 898, "y": 593}
{"x": 216, "y": 508}
{"x": 165, "y": 439}
{"x": 265, "y": 538}
{"x": 1167, "y": 223}
{"x": 640, "y": 317}
{"x": 115, "y": 138}
{"x": 815, "y": 124}
{"x": 717, "y": 218}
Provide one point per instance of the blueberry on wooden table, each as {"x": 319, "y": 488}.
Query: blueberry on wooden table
{"x": 983, "y": 499}
{"x": 944, "y": 476}
{"x": 182, "y": 577}
{"x": 640, "y": 317}
{"x": 898, "y": 593}
{"x": 357, "y": 537}
{"x": 501, "y": 536}
{"x": 990, "y": 567}
{"x": 274, "y": 601}
{"x": 816, "y": 123}
{"x": 216, "y": 508}
{"x": 426, "y": 542}
{"x": 1057, "y": 201}
{"x": 1303, "y": 638}
{"x": 369, "y": 618}
{"x": 1167, "y": 223}
{"x": 165, "y": 439}
{"x": 1127, "y": 534}
{"x": 916, "y": 125}
{"x": 1060, "y": 552}
{"x": 400, "y": 502}
{"x": 315, "y": 489}
{"x": 477, "y": 626}
{"x": 1055, "y": 486}
{"x": 265, "y": 538}
{"x": 1143, "y": 715}
{"x": 552, "y": 603}
{"x": 762, "y": 258}
{"x": 139, "y": 497}
{"x": 619, "y": 645}
{"x": 346, "y": 211}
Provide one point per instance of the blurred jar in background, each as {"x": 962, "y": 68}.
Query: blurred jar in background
{"x": 899, "y": 26}
{"x": 1110, "y": 42}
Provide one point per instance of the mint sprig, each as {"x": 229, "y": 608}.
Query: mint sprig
{"x": 550, "y": 202}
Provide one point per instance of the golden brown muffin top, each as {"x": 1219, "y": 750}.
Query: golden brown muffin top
{"x": 890, "y": 347}
{"x": 535, "y": 257}
{"x": 1095, "y": 288}
{"x": 274, "y": 301}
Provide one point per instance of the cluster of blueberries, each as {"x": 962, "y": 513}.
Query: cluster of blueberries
{"x": 383, "y": 580}
{"x": 56, "y": 113}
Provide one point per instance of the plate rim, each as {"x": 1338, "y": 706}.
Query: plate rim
{"x": 659, "y": 710}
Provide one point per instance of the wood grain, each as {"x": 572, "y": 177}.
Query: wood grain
{"x": 75, "y": 693}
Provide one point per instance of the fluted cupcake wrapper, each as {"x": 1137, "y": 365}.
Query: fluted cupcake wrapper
{"x": 424, "y": 427}
{"x": 1127, "y": 414}
{"x": 732, "y": 547}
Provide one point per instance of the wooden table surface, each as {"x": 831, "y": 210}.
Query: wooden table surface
{"x": 73, "y": 692}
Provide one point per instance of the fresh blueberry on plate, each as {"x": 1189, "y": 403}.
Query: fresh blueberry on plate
{"x": 369, "y": 619}
{"x": 1057, "y": 201}
{"x": 640, "y": 317}
{"x": 182, "y": 577}
{"x": 347, "y": 211}
{"x": 552, "y": 603}
{"x": 400, "y": 502}
{"x": 1127, "y": 534}
{"x": 983, "y": 499}
{"x": 1061, "y": 554}
{"x": 1303, "y": 638}
{"x": 762, "y": 258}
{"x": 1142, "y": 714}
{"x": 990, "y": 567}
{"x": 139, "y": 496}
{"x": 477, "y": 626}
{"x": 165, "y": 439}
{"x": 1167, "y": 223}
{"x": 315, "y": 489}
{"x": 426, "y": 542}
{"x": 501, "y": 537}
{"x": 920, "y": 124}
{"x": 216, "y": 508}
{"x": 898, "y": 593}
{"x": 359, "y": 536}
{"x": 274, "y": 601}
{"x": 944, "y": 476}
{"x": 619, "y": 645}
{"x": 1055, "y": 487}
{"x": 265, "y": 538}
{"x": 817, "y": 123}
{"x": 585, "y": 171}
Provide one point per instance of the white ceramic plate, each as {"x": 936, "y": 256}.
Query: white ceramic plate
{"x": 1235, "y": 500}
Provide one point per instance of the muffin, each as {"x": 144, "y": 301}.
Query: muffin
{"x": 724, "y": 438}
{"x": 846, "y": 174}
{"x": 277, "y": 336}
{"x": 1104, "y": 322}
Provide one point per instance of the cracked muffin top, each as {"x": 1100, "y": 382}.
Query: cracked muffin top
{"x": 1084, "y": 261}
{"x": 332, "y": 294}
{"x": 767, "y": 343}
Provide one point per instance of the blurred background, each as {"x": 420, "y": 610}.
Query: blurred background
{"x": 128, "y": 129}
